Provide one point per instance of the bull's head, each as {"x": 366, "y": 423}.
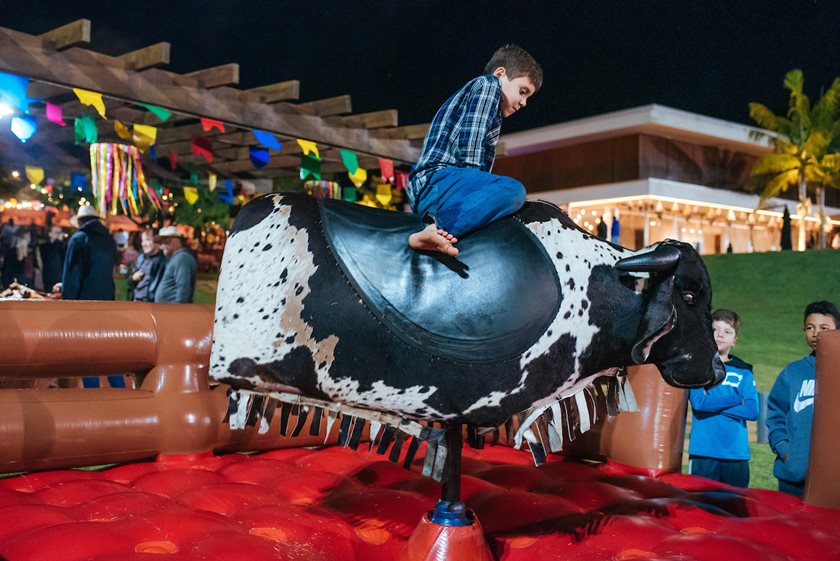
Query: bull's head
{"x": 675, "y": 331}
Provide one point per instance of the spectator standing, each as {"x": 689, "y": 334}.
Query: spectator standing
{"x": 790, "y": 407}
{"x": 90, "y": 260}
{"x": 52, "y": 257}
{"x": 148, "y": 270}
{"x": 178, "y": 282}
{"x": 719, "y": 447}
{"x": 8, "y": 244}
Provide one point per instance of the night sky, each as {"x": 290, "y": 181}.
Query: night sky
{"x": 710, "y": 57}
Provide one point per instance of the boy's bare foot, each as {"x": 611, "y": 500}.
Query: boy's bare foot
{"x": 432, "y": 238}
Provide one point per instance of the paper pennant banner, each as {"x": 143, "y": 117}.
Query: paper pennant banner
{"x": 78, "y": 181}
{"x": 227, "y": 196}
{"x": 310, "y": 166}
{"x": 152, "y": 153}
{"x": 35, "y": 175}
{"x": 173, "y": 160}
{"x": 386, "y": 169}
{"x": 156, "y": 185}
{"x": 54, "y": 114}
{"x": 144, "y": 136}
{"x": 400, "y": 179}
{"x": 349, "y": 194}
{"x": 267, "y": 139}
{"x": 13, "y": 91}
{"x": 259, "y": 156}
{"x": 84, "y": 129}
{"x": 359, "y": 177}
{"x": 351, "y": 162}
{"x": 193, "y": 173}
{"x": 203, "y": 146}
{"x": 122, "y": 130}
{"x": 209, "y": 124}
{"x": 211, "y": 181}
{"x": 159, "y": 112}
{"x": 93, "y": 99}
{"x": 191, "y": 194}
{"x": 309, "y": 147}
{"x": 384, "y": 193}
{"x": 24, "y": 127}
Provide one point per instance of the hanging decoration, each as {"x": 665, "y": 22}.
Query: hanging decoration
{"x": 191, "y": 194}
{"x": 159, "y": 112}
{"x": 211, "y": 181}
{"x": 85, "y": 130}
{"x": 203, "y": 146}
{"x": 386, "y": 169}
{"x": 350, "y": 194}
{"x": 24, "y": 127}
{"x": 121, "y": 130}
{"x": 400, "y": 179}
{"x": 259, "y": 156}
{"x": 209, "y": 124}
{"x": 227, "y": 196}
{"x": 384, "y": 194}
{"x": 152, "y": 153}
{"x": 267, "y": 139}
{"x": 78, "y": 181}
{"x": 13, "y": 92}
{"x": 359, "y": 177}
{"x": 308, "y": 148}
{"x": 117, "y": 179}
{"x": 34, "y": 174}
{"x": 173, "y": 160}
{"x": 350, "y": 161}
{"x": 310, "y": 166}
{"x": 144, "y": 136}
{"x": 92, "y": 99}
{"x": 323, "y": 189}
{"x": 55, "y": 115}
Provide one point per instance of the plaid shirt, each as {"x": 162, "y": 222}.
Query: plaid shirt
{"x": 464, "y": 132}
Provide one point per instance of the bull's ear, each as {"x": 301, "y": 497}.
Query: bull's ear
{"x": 657, "y": 319}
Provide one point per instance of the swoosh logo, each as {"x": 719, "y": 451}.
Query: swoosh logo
{"x": 800, "y": 404}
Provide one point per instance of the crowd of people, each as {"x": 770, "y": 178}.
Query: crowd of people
{"x": 719, "y": 446}
{"x": 81, "y": 266}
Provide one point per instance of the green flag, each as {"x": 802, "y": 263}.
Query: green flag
{"x": 351, "y": 162}
{"x": 85, "y": 130}
{"x": 310, "y": 165}
{"x": 160, "y": 112}
{"x": 349, "y": 194}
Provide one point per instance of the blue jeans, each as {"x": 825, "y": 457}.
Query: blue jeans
{"x": 795, "y": 489}
{"x": 461, "y": 200}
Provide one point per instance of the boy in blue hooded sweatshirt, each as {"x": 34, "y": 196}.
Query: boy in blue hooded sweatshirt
{"x": 790, "y": 407}
{"x": 719, "y": 447}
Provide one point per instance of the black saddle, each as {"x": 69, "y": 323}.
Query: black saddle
{"x": 490, "y": 303}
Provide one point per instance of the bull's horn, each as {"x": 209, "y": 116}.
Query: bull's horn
{"x": 662, "y": 258}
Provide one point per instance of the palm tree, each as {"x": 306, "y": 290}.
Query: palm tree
{"x": 806, "y": 148}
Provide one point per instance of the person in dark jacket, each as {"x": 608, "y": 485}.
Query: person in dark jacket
{"x": 90, "y": 260}
{"x": 52, "y": 257}
{"x": 148, "y": 270}
{"x": 178, "y": 282}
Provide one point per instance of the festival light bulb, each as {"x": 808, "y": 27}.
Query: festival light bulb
{"x": 5, "y": 110}
{"x": 16, "y": 174}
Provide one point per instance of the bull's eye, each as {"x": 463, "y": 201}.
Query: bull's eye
{"x": 688, "y": 298}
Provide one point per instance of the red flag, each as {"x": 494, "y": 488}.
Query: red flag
{"x": 401, "y": 178}
{"x": 203, "y": 147}
{"x": 210, "y": 124}
{"x": 386, "y": 167}
{"x": 173, "y": 160}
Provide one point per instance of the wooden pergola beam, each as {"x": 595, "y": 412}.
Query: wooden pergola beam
{"x": 373, "y": 120}
{"x": 148, "y": 57}
{"x": 66, "y": 36}
{"x": 406, "y": 132}
{"x": 280, "y": 91}
{"x": 338, "y": 105}
{"x": 215, "y": 76}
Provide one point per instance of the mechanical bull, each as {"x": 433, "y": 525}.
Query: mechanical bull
{"x": 325, "y": 300}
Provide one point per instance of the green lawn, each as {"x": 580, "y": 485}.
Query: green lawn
{"x": 205, "y": 288}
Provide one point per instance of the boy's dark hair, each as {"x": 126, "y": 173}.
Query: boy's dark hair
{"x": 825, "y": 308}
{"x": 517, "y": 62}
{"x": 729, "y": 317}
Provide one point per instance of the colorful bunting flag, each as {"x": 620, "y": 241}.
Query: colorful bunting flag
{"x": 34, "y": 174}
{"x": 400, "y": 179}
{"x": 359, "y": 177}
{"x": 209, "y": 124}
{"x": 211, "y": 181}
{"x": 54, "y": 114}
{"x": 173, "y": 160}
{"x": 351, "y": 162}
{"x": 386, "y": 169}
{"x": 227, "y": 196}
{"x": 24, "y": 127}
{"x": 159, "y": 112}
{"x": 13, "y": 91}
{"x": 384, "y": 193}
{"x": 144, "y": 136}
{"x": 310, "y": 166}
{"x": 84, "y": 129}
{"x": 203, "y": 146}
{"x": 191, "y": 194}
{"x": 157, "y": 186}
{"x": 122, "y": 130}
{"x": 92, "y": 99}
{"x": 349, "y": 194}
{"x": 259, "y": 156}
{"x": 309, "y": 147}
{"x": 152, "y": 153}
{"x": 267, "y": 139}
{"x": 78, "y": 181}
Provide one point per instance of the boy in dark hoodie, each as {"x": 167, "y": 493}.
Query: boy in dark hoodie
{"x": 790, "y": 407}
{"x": 719, "y": 447}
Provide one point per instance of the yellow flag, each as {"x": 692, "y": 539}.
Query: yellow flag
{"x": 94, "y": 99}
{"x": 308, "y": 146}
{"x": 144, "y": 136}
{"x": 384, "y": 194}
{"x": 35, "y": 175}
{"x": 122, "y": 130}
{"x": 211, "y": 181}
{"x": 358, "y": 177}
{"x": 191, "y": 194}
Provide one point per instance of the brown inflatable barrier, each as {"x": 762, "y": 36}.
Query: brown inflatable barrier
{"x": 176, "y": 411}
{"x": 821, "y": 488}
